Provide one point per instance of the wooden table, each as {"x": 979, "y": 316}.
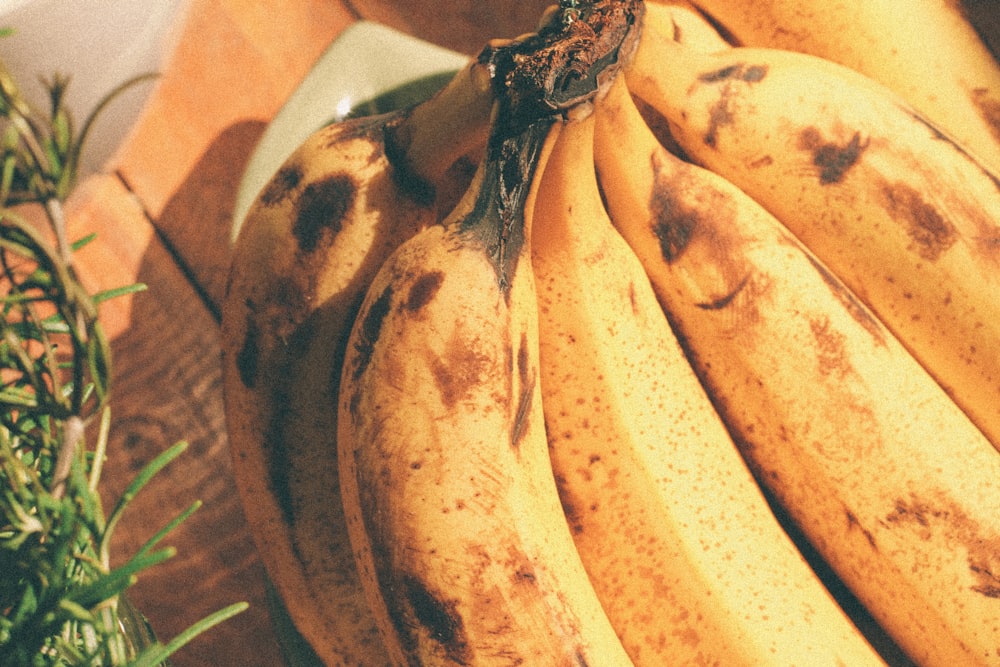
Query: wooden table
{"x": 162, "y": 209}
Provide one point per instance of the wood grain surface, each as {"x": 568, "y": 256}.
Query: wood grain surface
{"x": 161, "y": 209}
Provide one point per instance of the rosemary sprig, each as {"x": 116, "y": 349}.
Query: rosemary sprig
{"x": 59, "y": 596}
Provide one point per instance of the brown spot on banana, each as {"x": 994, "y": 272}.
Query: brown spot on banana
{"x": 673, "y": 225}
{"x": 989, "y": 108}
{"x": 371, "y": 327}
{"x": 754, "y": 73}
{"x": 248, "y": 357}
{"x": 724, "y": 74}
{"x": 572, "y": 512}
{"x": 675, "y": 222}
{"x": 830, "y": 353}
{"x": 320, "y": 207}
{"x": 282, "y": 185}
{"x": 522, "y": 417}
{"x": 832, "y": 159}
{"x": 685, "y": 213}
{"x": 461, "y": 368}
{"x": 724, "y": 301}
{"x": 687, "y": 216}
{"x": 931, "y": 234}
{"x": 721, "y": 113}
{"x": 439, "y": 617}
{"x": 946, "y": 520}
{"x": 677, "y": 35}
{"x": 525, "y": 576}
{"x": 735, "y": 72}
{"x": 526, "y": 375}
{"x": 990, "y": 581}
{"x": 423, "y": 290}
{"x": 632, "y": 299}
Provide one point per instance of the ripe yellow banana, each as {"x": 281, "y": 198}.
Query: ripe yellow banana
{"x": 451, "y": 504}
{"x": 925, "y": 50}
{"x": 684, "y": 552}
{"x": 889, "y": 480}
{"x": 900, "y": 213}
{"x": 311, "y": 245}
{"x": 453, "y": 512}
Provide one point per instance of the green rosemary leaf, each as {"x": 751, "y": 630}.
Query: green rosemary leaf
{"x": 101, "y": 297}
{"x": 146, "y": 474}
{"x": 157, "y": 654}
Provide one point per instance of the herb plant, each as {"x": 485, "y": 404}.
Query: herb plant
{"x": 60, "y": 598}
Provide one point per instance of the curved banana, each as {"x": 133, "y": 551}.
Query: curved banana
{"x": 926, "y": 51}
{"x": 684, "y": 552}
{"x": 891, "y": 483}
{"x": 311, "y": 245}
{"x": 901, "y": 214}
{"x": 452, "y": 508}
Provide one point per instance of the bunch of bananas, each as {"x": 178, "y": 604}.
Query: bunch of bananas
{"x": 659, "y": 336}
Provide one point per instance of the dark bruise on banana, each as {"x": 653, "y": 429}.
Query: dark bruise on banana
{"x": 833, "y": 160}
{"x": 721, "y": 113}
{"x": 688, "y": 218}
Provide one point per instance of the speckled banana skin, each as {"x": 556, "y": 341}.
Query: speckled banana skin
{"x": 462, "y": 545}
{"x": 927, "y": 52}
{"x": 662, "y": 505}
{"x": 887, "y": 478}
{"x": 899, "y": 212}
{"x": 312, "y": 242}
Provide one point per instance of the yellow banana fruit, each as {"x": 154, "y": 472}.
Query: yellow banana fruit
{"x": 900, "y": 213}
{"x": 311, "y": 245}
{"x": 453, "y": 512}
{"x": 684, "y": 552}
{"x": 450, "y": 500}
{"x": 886, "y": 477}
{"x": 925, "y": 50}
